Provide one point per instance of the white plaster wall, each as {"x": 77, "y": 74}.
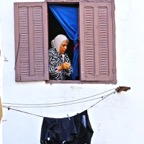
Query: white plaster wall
{"x": 0, "y": 81}
{"x": 117, "y": 120}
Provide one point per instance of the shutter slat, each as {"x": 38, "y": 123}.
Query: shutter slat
{"x": 103, "y": 38}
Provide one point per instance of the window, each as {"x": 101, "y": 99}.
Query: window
{"x": 97, "y": 56}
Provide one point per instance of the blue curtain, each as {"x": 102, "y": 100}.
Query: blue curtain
{"x": 67, "y": 16}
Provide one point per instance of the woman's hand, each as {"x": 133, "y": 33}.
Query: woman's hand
{"x": 64, "y": 66}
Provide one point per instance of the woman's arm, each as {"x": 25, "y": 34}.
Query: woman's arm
{"x": 69, "y": 70}
{"x": 54, "y": 62}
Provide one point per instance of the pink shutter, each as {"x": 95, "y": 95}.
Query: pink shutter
{"x": 97, "y": 42}
{"x": 31, "y": 41}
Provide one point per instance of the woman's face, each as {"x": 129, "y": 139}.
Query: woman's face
{"x": 63, "y": 46}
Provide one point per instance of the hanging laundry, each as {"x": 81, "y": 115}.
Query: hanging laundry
{"x": 71, "y": 130}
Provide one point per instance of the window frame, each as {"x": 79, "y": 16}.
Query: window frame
{"x": 46, "y": 44}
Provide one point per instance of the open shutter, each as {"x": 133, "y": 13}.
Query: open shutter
{"x": 31, "y": 41}
{"x": 97, "y": 42}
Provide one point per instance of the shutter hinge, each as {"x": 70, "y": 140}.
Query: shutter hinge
{"x": 112, "y": 10}
{"x": 113, "y": 70}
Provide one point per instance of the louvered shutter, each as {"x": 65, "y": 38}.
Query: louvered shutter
{"x": 97, "y": 42}
{"x": 31, "y": 41}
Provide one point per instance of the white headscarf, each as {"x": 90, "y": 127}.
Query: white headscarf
{"x": 56, "y": 42}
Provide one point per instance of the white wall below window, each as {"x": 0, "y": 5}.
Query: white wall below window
{"x": 115, "y": 120}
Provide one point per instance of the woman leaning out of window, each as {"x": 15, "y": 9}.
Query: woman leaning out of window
{"x": 59, "y": 63}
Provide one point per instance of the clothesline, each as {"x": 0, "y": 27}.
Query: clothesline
{"x": 118, "y": 90}
{"x": 86, "y": 99}
{"x": 50, "y": 104}
{"x": 11, "y": 107}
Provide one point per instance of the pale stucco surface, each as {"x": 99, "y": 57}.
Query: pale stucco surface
{"x": 117, "y": 120}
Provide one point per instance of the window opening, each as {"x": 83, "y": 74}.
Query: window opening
{"x": 56, "y": 27}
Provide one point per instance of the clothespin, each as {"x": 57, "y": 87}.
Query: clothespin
{"x": 68, "y": 117}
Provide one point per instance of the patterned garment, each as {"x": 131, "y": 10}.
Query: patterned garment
{"x": 55, "y": 60}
